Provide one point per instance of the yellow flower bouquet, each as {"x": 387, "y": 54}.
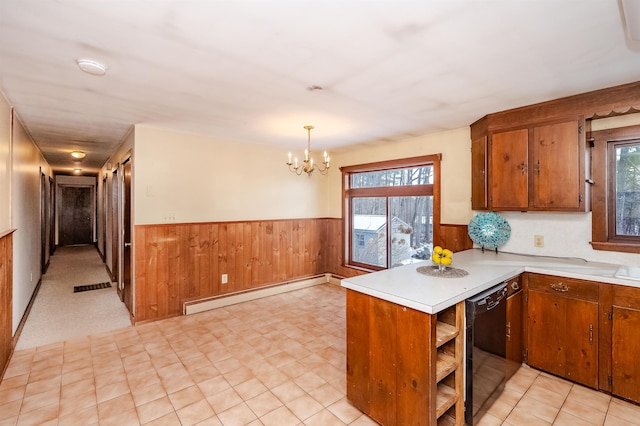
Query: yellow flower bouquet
{"x": 441, "y": 256}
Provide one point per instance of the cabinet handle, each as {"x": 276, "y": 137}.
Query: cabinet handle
{"x": 591, "y": 334}
{"x": 562, "y": 288}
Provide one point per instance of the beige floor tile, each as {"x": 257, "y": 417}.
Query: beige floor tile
{"x": 288, "y": 391}
{"x": 625, "y": 411}
{"x": 344, "y": 411}
{"x": 186, "y": 397}
{"x": 10, "y": 410}
{"x": 585, "y": 412}
{"x": 195, "y": 413}
{"x": 154, "y": 409}
{"x": 85, "y": 416}
{"x": 264, "y": 403}
{"x": 250, "y": 388}
{"x": 304, "y": 407}
{"x": 224, "y": 400}
{"x": 326, "y": 394}
{"x": 40, "y": 416}
{"x": 170, "y": 419}
{"x": 115, "y": 407}
{"x": 324, "y": 418}
{"x": 536, "y": 407}
{"x": 281, "y": 416}
{"x": 239, "y": 415}
{"x": 519, "y": 417}
{"x": 567, "y": 419}
{"x": 594, "y": 399}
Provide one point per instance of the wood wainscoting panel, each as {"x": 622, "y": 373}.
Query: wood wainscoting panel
{"x": 181, "y": 262}
{"x": 6, "y": 299}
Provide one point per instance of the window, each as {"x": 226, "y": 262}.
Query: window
{"x": 390, "y": 209}
{"x": 615, "y": 198}
{"x": 624, "y": 190}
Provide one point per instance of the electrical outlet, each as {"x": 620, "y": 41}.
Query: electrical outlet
{"x": 225, "y": 278}
{"x": 538, "y": 240}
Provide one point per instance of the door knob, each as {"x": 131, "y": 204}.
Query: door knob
{"x": 127, "y": 244}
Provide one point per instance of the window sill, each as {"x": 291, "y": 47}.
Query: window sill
{"x": 621, "y": 247}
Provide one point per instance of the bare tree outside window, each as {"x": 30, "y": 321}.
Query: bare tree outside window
{"x": 627, "y": 190}
{"x": 388, "y": 227}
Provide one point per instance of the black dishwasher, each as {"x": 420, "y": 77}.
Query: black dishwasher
{"x": 486, "y": 363}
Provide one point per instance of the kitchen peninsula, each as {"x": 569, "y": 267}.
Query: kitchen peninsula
{"x": 405, "y": 331}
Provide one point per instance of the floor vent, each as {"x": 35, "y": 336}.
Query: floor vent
{"x": 88, "y": 287}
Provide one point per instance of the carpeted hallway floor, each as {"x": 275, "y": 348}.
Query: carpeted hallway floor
{"x": 60, "y": 314}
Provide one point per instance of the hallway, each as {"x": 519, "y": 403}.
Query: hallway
{"x": 59, "y": 314}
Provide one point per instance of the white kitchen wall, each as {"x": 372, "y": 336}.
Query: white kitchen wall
{"x": 182, "y": 177}
{"x": 565, "y": 234}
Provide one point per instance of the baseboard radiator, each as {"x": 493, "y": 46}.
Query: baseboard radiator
{"x": 201, "y": 305}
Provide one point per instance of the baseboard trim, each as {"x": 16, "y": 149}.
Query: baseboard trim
{"x": 202, "y": 305}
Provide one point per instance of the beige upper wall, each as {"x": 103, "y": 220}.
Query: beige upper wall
{"x": 183, "y": 177}
{"x": 5, "y": 164}
{"x": 455, "y": 147}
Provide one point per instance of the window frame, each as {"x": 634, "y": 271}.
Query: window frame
{"x": 392, "y": 191}
{"x": 603, "y": 190}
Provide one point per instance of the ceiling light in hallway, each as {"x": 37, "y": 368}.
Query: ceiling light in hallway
{"x": 78, "y": 155}
{"x": 92, "y": 67}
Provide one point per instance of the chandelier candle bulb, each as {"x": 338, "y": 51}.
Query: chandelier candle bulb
{"x": 308, "y": 165}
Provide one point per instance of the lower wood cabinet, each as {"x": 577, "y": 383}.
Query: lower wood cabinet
{"x": 625, "y": 342}
{"x": 404, "y": 366}
{"x": 563, "y": 327}
{"x": 584, "y": 331}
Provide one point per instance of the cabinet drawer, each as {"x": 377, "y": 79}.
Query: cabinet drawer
{"x": 561, "y": 286}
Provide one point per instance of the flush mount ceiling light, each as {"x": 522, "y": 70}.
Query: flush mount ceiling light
{"x": 77, "y": 171}
{"x": 78, "y": 155}
{"x": 92, "y": 67}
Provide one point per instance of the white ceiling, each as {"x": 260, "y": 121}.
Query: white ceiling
{"x": 240, "y": 70}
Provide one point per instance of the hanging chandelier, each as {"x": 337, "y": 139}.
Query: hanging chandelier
{"x": 308, "y": 166}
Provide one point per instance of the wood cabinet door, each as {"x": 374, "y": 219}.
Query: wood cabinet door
{"x": 625, "y": 347}
{"x": 555, "y": 168}
{"x": 479, "y": 173}
{"x": 563, "y": 336}
{"x": 514, "y": 333}
{"x": 508, "y": 175}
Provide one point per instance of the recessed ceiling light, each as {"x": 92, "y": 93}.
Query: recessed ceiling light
{"x": 92, "y": 67}
{"x": 78, "y": 154}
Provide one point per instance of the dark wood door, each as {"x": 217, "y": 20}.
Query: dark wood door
{"x": 556, "y": 167}
{"x": 509, "y": 178}
{"x": 479, "y": 173}
{"x": 75, "y": 215}
{"x": 563, "y": 336}
{"x": 625, "y": 347}
{"x": 127, "y": 251}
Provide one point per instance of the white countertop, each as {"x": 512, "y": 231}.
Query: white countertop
{"x": 407, "y": 287}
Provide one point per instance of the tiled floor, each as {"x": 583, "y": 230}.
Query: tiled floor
{"x": 274, "y": 361}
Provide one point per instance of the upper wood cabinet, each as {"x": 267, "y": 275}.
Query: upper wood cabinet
{"x": 535, "y": 168}
{"x": 555, "y": 158}
{"x": 558, "y": 167}
{"x": 509, "y": 175}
